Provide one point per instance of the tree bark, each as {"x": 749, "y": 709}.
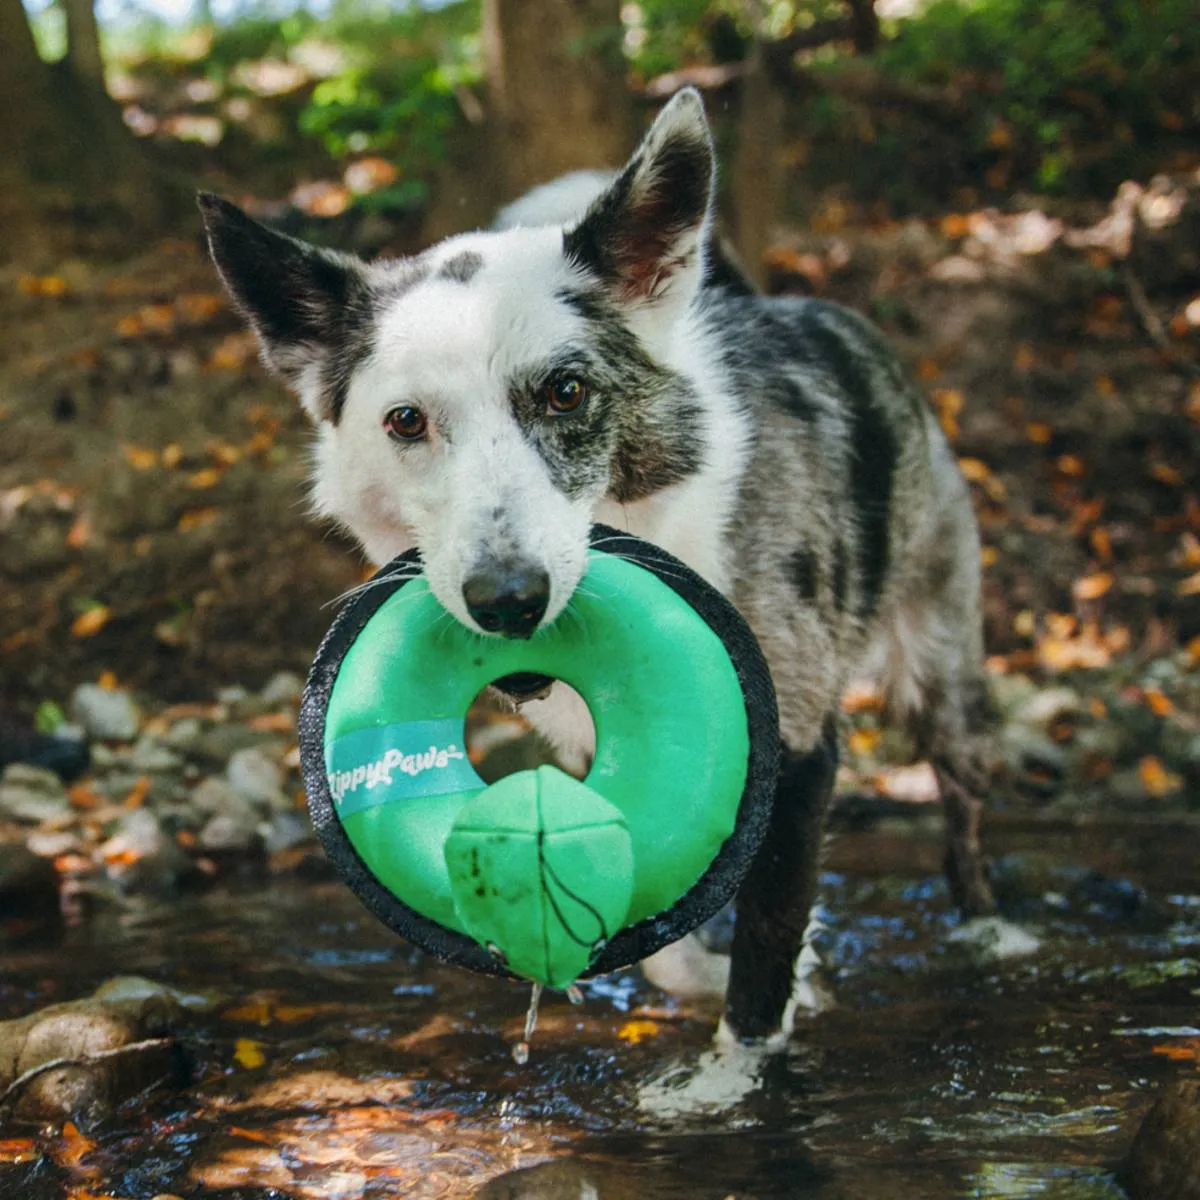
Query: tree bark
{"x": 757, "y": 173}
{"x": 557, "y": 87}
{"x": 66, "y": 159}
{"x": 83, "y": 41}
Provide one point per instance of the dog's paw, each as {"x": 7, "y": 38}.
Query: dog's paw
{"x": 993, "y": 939}
{"x": 715, "y": 1083}
{"x": 686, "y": 969}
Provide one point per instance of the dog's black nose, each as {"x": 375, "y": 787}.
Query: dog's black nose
{"x": 507, "y": 599}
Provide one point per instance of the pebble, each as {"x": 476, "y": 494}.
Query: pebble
{"x": 150, "y": 754}
{"x": 1043, "y": 708}
{"x": 258, "y": 778}
{"x": 284, "y": 687}
{"x": 230, "y": 833}
{"x": 105, "y": 713}
{"x": 287, "y": 830}
{"x": 215, "y": 796}
{"x": 31, "y": 795}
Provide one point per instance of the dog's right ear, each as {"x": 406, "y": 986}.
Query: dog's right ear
{"x": 300, "y": 300}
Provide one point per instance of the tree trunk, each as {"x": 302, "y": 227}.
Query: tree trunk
{"x": 83, "y": 41}
{"x": 556, "y": 80}
{"x": 66, "y": 159}
{"x": 757, "y": 174}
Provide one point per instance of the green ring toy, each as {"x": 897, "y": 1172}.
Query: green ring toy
{"x": 539, "y": 875}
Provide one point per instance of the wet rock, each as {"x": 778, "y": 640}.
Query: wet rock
{"x": 284, "y": 687}
{"x": 28, "y": 883}
{"x": 106, "y": 1049}
{"x": 1164, "y": 1161}
{"x": 31, "y": 795}
{"x": 255, "y": 776}
{"x": 218, "y": 743}
{"x": 567, "y": 1179}
{"x": 105, "y": 713}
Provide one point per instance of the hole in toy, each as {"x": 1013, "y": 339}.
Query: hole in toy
{"x": 501, "y": 742}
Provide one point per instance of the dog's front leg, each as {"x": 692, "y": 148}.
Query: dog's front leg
{"x": 775, "y": 900}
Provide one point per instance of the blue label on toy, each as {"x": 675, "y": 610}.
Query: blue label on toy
{"x": 390, "y": 763}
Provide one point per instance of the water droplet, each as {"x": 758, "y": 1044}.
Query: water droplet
{"x": 520, "y": 1053}
{"x": 574, "y": 994}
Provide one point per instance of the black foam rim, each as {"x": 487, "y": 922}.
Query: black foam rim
{"x": 709, "y": 893}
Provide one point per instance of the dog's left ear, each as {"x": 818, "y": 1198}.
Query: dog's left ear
{"x": 645, "y": 236}
{"x": 302, "y": 302}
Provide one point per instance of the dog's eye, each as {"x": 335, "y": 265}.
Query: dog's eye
{"x": 406, "y": 424}
{"x": 566, "y": 395}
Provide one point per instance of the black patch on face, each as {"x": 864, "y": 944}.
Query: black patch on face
{"x": 840, "y": 581}
{"x": 873, "y": 452}
{"x": 306, "y": 305}
{"x": 639, "y": 430}
{"x": 462, "y": 268}
{"x": 802, "y": 571}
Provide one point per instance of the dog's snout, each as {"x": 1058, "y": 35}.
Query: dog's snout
{"x": 507, "y": 599}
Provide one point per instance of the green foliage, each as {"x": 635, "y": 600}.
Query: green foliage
{"x": 1067, "y": 90}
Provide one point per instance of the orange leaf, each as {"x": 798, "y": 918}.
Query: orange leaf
{"x": 635, "y": 1032}
{"x": 1071, "y": 465}
{"x": 257, "y": 1011}
{"x": 1038, "y": 432}
{"x": 90, "y": 622}
{"x": 1097, "y": 708}
{"x": 80, "y": 533}
{"x": 1166, "y": 474}
{"x": 158, "y": 318}
{"x": 196, "y": 517}
{"x": 977, "y": 471}
{"x": 1159, "y": 703}
{"x": 138, "y": 793}
{"x": 863, "y": 741}
{"x": 75, "y": 1146}
{"x": 1092, "y": 587}
{"x": 130, "y": 326}
{"x": 108, "y": 681}
{"x": 18, "y": 1150}
{"x": 954, "y": 225}
{"x": 225, "y": 454}
{"x": 1105, "y": 386}
{"x": 1193, "y": 649}
{"x": 1189, "y": 586}
{"x": 197, "y": 307}
{"x": 249, "y": 1053}
{"x": 203, "y": 480}
{"x": 140, "y": 458}
{"x": 171, "y": 455}
{"x": 1101, "y": 542}
{"x": 282, "y": 722}
{"x": 928, "y": 369}
{"x": 1024, "y": 358}
{"x": 233, "y": 352}
{"x": 1156, "y": 779}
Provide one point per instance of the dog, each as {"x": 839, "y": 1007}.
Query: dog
{"x": 493, "y": 397}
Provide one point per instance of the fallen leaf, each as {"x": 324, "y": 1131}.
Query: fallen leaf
{"x": 18, "y": 1150}
{"x": 195, "y": 518}
{"x": 1189, "y": 586}
{"x": 74, "y": 1146}
{"x": 975, "y": 470}
{"x": 91, "y": 621}
{"x": 1156, "y": 779}
{"x": 1071, "y": 465}
{"x": 172, "y": 455}
{"x": 256, "y": 1011}
{"x": 989, "y": 556}
{"x": 108, "y": 681}
{"x": 205, "y": 479}
{"x": 636, "y": 1032}
{"x": 197, "y": 307}
{"x": 1101, "y": 542}
{"x": 1167, "y": 474}
{"x": 928, "y": 369}
{"x": 1159, "y": 702}
{"x": 1092, "y": 587}
{"x": 1024, "y": 358}
{"x": 863, "y": 741}
{"x": 80, "y": 533}
{"x": 1039, "y": 433}
{"x": 1193, "y": 649}
{"x": 954, "y": 226}
{"x": 1105, "y": 386}
{"x": 140, "y": 458}
{"x": 281, "y": 722}
{"x": 861, "y": 698}
{"x": 249, "y": 1053}
{"x": 138, "y": 793}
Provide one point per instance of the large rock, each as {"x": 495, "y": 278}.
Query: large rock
{"x": 99, "y": 1040}
{"x": 31, "y": 795}
{"x": 105, "y": 713}
{"x": 1164, "y": 1161}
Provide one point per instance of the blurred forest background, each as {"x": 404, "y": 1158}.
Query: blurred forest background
{"x": 1010, "y": 188}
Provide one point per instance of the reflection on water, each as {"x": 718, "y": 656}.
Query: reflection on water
{"x": 339, "y": 1064}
